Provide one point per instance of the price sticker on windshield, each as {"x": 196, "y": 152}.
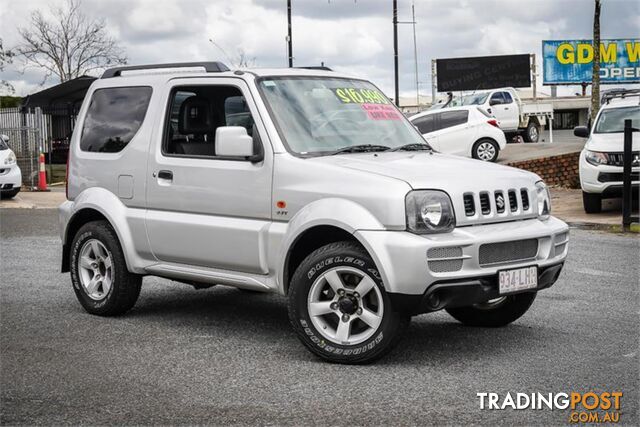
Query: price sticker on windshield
{"x": 381, "y": 112}
{"x": 352, "y": 95}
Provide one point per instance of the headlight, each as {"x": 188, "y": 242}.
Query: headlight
{"x": 429, "y": 211}
{"x": 11, "y": 158}
{"x": 597, "y": 158}
{"x": 544, "y": 200}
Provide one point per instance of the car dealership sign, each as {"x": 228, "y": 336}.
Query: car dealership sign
{"x": 571, "y": 61}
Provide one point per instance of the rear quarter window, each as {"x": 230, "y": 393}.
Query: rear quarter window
{"x": 113, "y": 118}
{"x": 425, "y": 124}
{"x": 453, "y": 118}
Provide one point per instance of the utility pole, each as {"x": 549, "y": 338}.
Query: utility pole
{"x": 289, "y": 39}
{"x": 595, "y": 78}
{"x": 415, "y": 53}
{"x": 395, "y": 52}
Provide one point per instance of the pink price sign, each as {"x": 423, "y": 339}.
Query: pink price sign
{"x": 381, "y": 112}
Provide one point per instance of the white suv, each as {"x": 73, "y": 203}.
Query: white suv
{"x": 601, "y": 158}
{"x": 464, "y": 131}
{"x": 301, "y": 182}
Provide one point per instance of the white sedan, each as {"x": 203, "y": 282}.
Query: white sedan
{"x": 10, "y": 174}
{"x": 465, "y": 131}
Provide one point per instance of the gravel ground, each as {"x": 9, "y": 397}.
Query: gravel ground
{"x": 221, "y": 356}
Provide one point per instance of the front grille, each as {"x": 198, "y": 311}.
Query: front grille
{"x": 501, "y": 203}
{"x": 7, "y": 186}
{"x": 524, "y": 194}
{"x": 513, "y": 201}
{"x": 493, "y": 206}
{"x": 485, "y": 205}
{"x": 507, "y": 252}
{"x": 616, "y": 177}
{"x": 617, "y": 159}
{"x": 445, "y": 260}
{"x": 469, "y": 205}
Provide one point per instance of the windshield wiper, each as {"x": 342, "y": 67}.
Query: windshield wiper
{"x": 360, "y": 148}
{"x": 414, "y": 146}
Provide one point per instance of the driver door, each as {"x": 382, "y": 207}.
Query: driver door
{"x": 205, "y": 210}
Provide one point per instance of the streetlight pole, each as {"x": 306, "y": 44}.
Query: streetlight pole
{"x": 289, "y": 39}
{"x": 395, "y": 51}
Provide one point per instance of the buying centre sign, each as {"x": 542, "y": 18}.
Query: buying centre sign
{"x": 571, "y": 61}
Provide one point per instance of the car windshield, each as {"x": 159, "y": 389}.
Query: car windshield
{"x": 3, "y": 145}
{"x": 612, "y": 120}
{"x": 319, "y": 115}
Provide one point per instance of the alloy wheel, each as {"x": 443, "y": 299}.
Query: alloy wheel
{"x": 345, "y": 305}
{"x": 95, "y": 269}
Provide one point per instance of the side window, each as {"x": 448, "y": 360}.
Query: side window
{"x": 425, "y": 124}
{"x": 453, "y": 118}
{"x": 113, "y": 118}
{"x": 195, "y": 112}
{"x": 507, "y": 97}
{"x": 496, "y": 99}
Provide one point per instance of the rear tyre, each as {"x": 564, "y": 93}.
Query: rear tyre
{"x": 494, "y": 313}
{"x": 338, "y": 306}
{"x": 592, "y": 202}
{"x": 532, "y": 133}
{"x": 99, "y": 274}
{"x": 486, "y": 150}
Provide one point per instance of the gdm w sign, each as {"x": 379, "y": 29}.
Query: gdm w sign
{"x": 571, "y": 61}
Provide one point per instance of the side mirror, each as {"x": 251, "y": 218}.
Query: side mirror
{"x": 4, "y": 138}
{"x": 581, "y": 131}
{"x": 233, "y": 141}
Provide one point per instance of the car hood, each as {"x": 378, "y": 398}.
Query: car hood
{"x": 610, "y": 142}
{"x": 427, "y": 170}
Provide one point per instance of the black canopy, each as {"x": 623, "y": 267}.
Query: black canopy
{"x": 69, "y": 92}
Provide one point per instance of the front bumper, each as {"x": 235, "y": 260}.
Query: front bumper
{"x": 10, "y": 178}
{"x": 405, "y": 268}
{"x": 456, "y": 293}
{"x": 604, "y": 179}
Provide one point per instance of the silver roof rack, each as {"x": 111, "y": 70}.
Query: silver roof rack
{"x": 209, "y": 67}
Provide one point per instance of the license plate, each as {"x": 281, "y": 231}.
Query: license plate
{"x": 518, "y": 279}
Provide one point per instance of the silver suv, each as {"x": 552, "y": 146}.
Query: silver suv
{"x": 302, "y": 182}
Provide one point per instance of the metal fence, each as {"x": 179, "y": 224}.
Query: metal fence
{"x": 32, "y": 131}
{"x": 25, "y": 129}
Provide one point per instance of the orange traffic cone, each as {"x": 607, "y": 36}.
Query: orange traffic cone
{"x": 42, "y": 175}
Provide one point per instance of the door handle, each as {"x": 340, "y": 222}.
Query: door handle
{"x": 165, "y": 175}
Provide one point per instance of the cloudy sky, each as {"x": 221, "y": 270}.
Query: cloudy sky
{"x": 354, "y": 36}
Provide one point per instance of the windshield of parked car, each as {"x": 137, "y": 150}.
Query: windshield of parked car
{"x": 612, "y": 120}
{"x": 3, "y": 145}
{"x": 320, "y": 115}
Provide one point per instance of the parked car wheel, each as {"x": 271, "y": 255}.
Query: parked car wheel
{"x": 592, "y": 202}
{"x": 486, "y": 149}
{"x": 532, "y": 133}
{"x": 494, "y": 313}
{"x": 339, "y": 308}
{"x": 99, "y": 274}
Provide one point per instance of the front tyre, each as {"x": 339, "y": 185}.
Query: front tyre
{"x": 99, "y": 274}
{"x": 338, "y": 306}
{"x": 592, "y": 202}
{"x": 494, "y": 313}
